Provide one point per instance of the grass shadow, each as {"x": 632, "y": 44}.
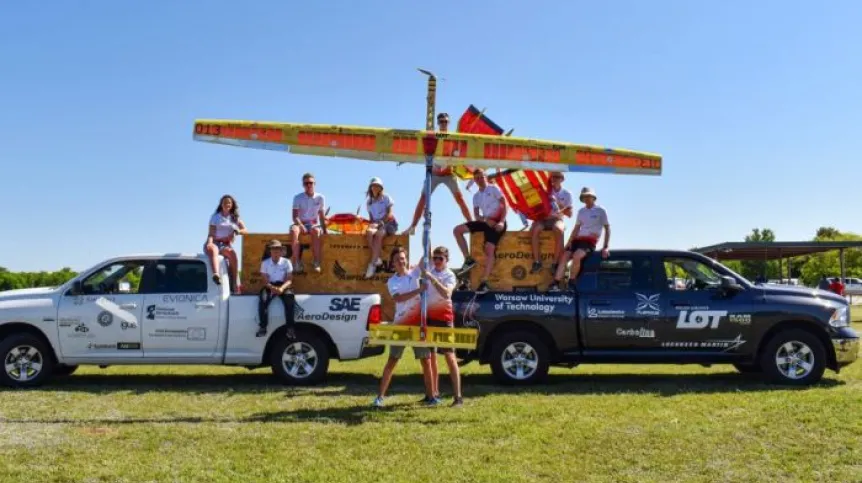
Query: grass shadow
{"x": 475, "y": 385}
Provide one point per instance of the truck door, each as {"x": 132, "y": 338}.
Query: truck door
{"x": 618, "y": 300}
{"x": 181, "y": 318}
{"x": 699, "y": 316}
{"x": 101, "y": 319}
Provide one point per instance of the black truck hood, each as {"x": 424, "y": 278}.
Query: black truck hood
{"x": 802, "y": 292}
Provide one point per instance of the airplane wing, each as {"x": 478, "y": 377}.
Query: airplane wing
{"x": 404, "y": 145}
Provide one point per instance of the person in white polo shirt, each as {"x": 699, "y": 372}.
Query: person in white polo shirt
{"x": 224, "y": 225}
{"x": 489, "y": 207}
{"x": 382, "y": 217}
{"x": 309, "y": 216}
{"x": 277, "y": 272}
{"x": 591, "y": 220}
{"x": 561, "y": 205}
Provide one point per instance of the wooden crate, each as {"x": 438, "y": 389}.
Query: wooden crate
{"x": 343, "y": 260}
{"x": 514, "y": 259}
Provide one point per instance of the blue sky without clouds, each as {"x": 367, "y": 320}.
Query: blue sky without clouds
{"x": 755, "y": 107}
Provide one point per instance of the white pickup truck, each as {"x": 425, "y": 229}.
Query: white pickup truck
{"x": 165, "y": 309}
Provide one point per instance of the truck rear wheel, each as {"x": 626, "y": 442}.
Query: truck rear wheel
{"x": 304, "y": 360}
{"x": 519, "y": 357}
{"x": 26, "y": 361}
{"x": 794, "y": 357}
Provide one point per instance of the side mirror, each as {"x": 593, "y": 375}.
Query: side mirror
{"x": 729, "y": 284}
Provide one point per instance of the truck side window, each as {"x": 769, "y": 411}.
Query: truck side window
{"x": 685, "y": 274}
{"x": 617, "y": 274}
{"x": 175, "y": 276}
{"x": 116, "y": 278}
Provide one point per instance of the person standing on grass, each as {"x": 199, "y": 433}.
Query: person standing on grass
{"x": 309, "y": 216}
{"x": 441, "y": 284}
{"x": 591, "y": 220}
{"x": 405, "y": 287}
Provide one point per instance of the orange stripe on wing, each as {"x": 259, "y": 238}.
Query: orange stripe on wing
{"x": 514, "y": 152}
{"x": 356, "y": 142}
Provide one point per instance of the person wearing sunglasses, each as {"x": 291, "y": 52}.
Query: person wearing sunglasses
{"x": 309, "y": 216}
{"x": 441, "y": 284}
{"x": 405, "y": 287}
{"x": 561, "y": 205}
{"x": 440, "y": 175}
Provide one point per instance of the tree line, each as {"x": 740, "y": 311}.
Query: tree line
{"x": 809, "y": 269}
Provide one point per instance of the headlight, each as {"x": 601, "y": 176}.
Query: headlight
{"x": 840, "y": 317}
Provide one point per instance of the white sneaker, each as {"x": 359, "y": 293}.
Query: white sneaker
{"x": 316, "y": 266}
{"x": 370, "y": 271}
{"x": 299, "y": 267}
{"x": 378, "y": 262}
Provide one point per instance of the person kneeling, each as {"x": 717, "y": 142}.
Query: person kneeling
{"x": 277, "y": 273}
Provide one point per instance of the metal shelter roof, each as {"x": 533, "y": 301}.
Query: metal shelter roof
{"x": 772, "y": 250}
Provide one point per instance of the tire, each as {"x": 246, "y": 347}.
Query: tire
{"x": 530, "y": 358}
{"x": 286, "y": 366}
{"x": 748, "y": 368}
{"x": 29, "y": 360}
{"x": 796, "y": 352}
{"x": 63, "y": 370}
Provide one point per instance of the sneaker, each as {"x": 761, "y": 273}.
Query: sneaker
{"x": 378, "y": 262}
{"x": 369, "y": 272}
{"x": 378, "y": 402}
{"x": 316, "y": 266}
{"x": 433, "y": 401}
{"x": 554, "y": 286}
{"x": 537, "y": 267}
{"x": 260, "y": 332}
{"x": 483, "y": 288}
{"x": 217, "y": 279}
{"x": 554, "y": 268}
{"x": 469, "y": 263}
{"x": 299, "y": 267}
{"x": 290, "y": 333}
{"x": 457, "y": 402}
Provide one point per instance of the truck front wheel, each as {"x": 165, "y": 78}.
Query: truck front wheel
{"x": 304, "y": 360}
{"x": 794, "y": 357}
{"x": 26, "y": 361}
{"x": 519, "y": 357}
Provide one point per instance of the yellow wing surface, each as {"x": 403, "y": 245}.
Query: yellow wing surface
{"x": 403, "y": 145}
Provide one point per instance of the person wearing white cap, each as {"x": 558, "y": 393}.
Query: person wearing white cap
{"x": 591, "y": 220}
{"x": 383, "y": 222}
{"x": 277, "y": 273}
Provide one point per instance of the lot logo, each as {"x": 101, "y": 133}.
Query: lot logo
{"x": 648, "y": 304}
{"x": 699, "y": 319}
{"x": 105, "y": 318}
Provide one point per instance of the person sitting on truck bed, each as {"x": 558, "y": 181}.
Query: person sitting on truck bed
{"x": 405, "y": 287}
{"x": 309, "y": 216}
{"x": 383, "y": 222}
{"x": 441, "y": 284}
{"x": 561, "y": 204}
{"x": 591, "y": 219}
{"x": 277, "y": 272}
{"x": 440, "y": 175}
{"x": 489, "y": 207}
{"x": 225, "y": 223}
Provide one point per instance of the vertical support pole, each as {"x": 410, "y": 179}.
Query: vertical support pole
{"x": 430, "y": 100}
{"x": 429, "y": 143}
{"x": 841, "y": 261}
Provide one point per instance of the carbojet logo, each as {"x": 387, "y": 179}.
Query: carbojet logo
{"x": 699, "y": 319}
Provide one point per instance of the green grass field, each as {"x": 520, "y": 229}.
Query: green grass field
{"x": 592, "y": 423}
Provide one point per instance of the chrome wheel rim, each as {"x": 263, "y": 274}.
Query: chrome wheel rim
{"x": 23, "y": 363}
{"x": 299, "y": 360}
{"x": 520, "y": 360}
{"x": 794, "y": 359}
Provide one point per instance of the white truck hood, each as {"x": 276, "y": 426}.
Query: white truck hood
{"x": 24, "y": 293}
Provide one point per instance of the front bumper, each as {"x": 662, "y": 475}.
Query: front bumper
{"x": 846, "y": 350}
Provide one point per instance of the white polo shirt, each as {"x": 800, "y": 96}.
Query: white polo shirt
{"x": 488, "y": 200}
{"x": 407, "y": 312}
{"x": 309, "y": 206}
{"x": 592, "y": 221}
{"x": 276, "y": 271}
{"x": 377, "y": 208}
{"x": 560, "y": 200}
{"x": 224, "y": 225}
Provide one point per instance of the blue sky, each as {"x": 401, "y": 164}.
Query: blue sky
{"x": 755, "y": 107}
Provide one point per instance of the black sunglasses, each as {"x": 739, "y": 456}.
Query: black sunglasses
{"x": 307, "y": 182}
{"x": 438, "y": 257}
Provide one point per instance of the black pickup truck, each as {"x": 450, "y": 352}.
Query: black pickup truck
{"x": 660, "y": 306}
